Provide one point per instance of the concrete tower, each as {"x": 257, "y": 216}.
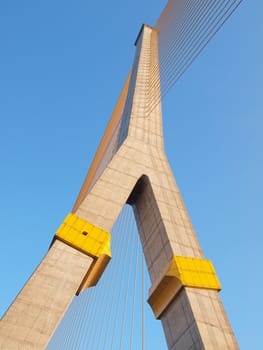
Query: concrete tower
{"x": 131, "y": 167}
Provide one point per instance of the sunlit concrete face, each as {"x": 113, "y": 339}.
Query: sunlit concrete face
{"x": 135, "y": 171}
{"x": 30, "y": 321}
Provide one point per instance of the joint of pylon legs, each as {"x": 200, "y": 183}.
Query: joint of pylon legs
{"x": 181, "y": 272}
{"x": 89, "y": 239}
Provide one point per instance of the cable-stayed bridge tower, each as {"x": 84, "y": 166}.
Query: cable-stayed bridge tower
{"x": 131, "y": 167}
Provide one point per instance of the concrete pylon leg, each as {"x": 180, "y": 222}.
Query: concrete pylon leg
{"x": 32, "y": 318}
{"x": 130, "y": 167}
{"x": 195, "y": 318}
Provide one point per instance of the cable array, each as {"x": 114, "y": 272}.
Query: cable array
{"x": 112, "y": 315}
{"x": 185, "y": 28}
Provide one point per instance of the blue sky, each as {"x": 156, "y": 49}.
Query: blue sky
{"x": 62, "y": 65}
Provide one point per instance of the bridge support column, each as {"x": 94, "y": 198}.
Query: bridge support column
{"x": 32, "y": 318}
{"x": 129, "y": 167}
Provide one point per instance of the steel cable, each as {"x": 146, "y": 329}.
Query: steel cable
{"x": 182, "y": 39}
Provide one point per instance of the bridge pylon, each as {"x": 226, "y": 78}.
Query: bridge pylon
{"x": 131, "y": 167}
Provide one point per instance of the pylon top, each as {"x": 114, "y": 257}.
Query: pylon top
{"x": 141, "y": 29}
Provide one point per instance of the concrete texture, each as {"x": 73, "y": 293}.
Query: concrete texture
{"x": 32, "y": 318}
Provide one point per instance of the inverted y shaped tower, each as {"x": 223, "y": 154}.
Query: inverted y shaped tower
{"x": 130, "y": 167}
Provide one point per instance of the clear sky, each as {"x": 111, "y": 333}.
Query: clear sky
{"x": 62, "y": 65}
